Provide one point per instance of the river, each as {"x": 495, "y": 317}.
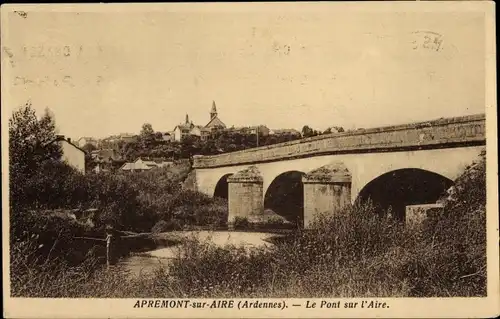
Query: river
{"x": 146, "y": 262}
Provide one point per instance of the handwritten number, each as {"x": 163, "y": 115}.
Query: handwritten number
{"x": 415, "y": 45}
{"x": 437, "y": 42}
{"x": 427, "y": 41}
{"x": 66, "y": 51}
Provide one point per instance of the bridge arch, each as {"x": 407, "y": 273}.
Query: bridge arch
{"x": 221, "y": 188}
{"x": 285, "y": 196}
{"x": 408, "y": 186}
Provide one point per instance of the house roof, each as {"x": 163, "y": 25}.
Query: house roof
{"x": 202, "y": 128}
{"x": 62, "y": 139}
{"x": 150, "y": 163}
{"x": 215, "y": 122}
{"x": 127, "y": 166}
{"x": 135, "y": 166}
{"x": 186, "y": 126}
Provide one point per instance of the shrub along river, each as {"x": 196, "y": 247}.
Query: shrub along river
{"x": 146, "y": 262}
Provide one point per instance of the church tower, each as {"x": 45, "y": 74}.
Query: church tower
{"x": 213, "y": 112}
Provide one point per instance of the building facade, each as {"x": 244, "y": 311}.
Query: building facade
{"x": 141, "y": 165}
{"x": 203, "y": 132}
{"x": 71, "y": 154}
{"x": 82, "y": 141}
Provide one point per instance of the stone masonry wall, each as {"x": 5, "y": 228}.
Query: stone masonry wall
{"x": 438, "y": 133}
{"x": 245, "y": 199}
{"x": 324, "y": 199}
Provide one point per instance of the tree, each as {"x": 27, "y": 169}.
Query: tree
{"x": 307, "y": 131}
{"x": 209, "y": 148}
{"x": 90, "y": 162}
{"x": 334, "y": 129}
{"x": 158, "y": 136}
{"x": 147, "y": 136}
{"x": 30, "y": 148}
{"x": 147, "y": 130}
{"x": 88, "y": 148}
{"x": 29, "y": 140}
{"x": 190, "y": 145}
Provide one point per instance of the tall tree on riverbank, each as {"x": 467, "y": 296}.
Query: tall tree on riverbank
{"x": 29, "y": 144}
{"x": 29, "y": 139}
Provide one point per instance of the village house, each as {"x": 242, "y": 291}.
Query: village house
{"x": 82, "y": 141}
{"x": 105, "y": 155}
{"x": 215, "y": 123}
{"x": 183, "y": 130}
{"x": 141, "y": 165}
{"x": 203, "y": 132}
{"x": 167, "y": 136}
{"x": 100, "y": 168}
{"x": 71, "y": 154}
{"x": 125, "y": 137}
{"x": 105, "y": 159}
{"x": 262, "y": 130}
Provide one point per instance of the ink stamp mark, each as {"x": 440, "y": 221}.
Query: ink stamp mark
{"x": 22, "y": 14}
{"x": 9, "y": 53}
{"x": 427, "y": 40}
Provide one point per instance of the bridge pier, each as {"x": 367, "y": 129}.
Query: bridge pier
{"x": 326, "y": 191}
{"x": 245, "y": 194}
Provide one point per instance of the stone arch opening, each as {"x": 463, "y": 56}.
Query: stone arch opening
{"x": 221, "y": 189}
{"x": 400, "y": 188}
{"x": 285, "y": 196}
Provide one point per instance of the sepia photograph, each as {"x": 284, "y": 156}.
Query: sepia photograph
{"x": 249, "y": 160}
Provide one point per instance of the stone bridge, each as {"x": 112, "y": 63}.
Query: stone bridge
{"x": 395, "y": 166}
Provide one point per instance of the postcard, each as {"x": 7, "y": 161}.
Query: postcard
{"x": 250, "y": 160}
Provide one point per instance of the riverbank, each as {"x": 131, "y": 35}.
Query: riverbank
{"x": 170, "y": 246}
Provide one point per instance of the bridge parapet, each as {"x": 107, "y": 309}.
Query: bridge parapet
{"x": 440, "y": 133}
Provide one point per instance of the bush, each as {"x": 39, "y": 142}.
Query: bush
{"x": 444, "y": 262}
{"x": 54, "y": 278}
{"x": 164, "y": 226}
{"x": 58, "y": 186}
{"x": 160, "y": 227}
{"x": 53, "y": 235}
{"x": 270, "y": 221}
{"x": 205, "y": 270}
{"x": 241, "y": 223}
{"x": 360, "y": 252}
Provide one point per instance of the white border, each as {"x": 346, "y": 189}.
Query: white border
{"x": 399, "y": 307}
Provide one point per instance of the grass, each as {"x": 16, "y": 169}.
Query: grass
{"x": 366, "y": 258}
{"x": 356, "y": 253}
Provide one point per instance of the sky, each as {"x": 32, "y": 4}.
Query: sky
{"x": 104, "y": 73}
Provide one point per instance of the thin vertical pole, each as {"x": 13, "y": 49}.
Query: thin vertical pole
{"x": 108, "y": 250}
{"x": 257, "y": 136}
